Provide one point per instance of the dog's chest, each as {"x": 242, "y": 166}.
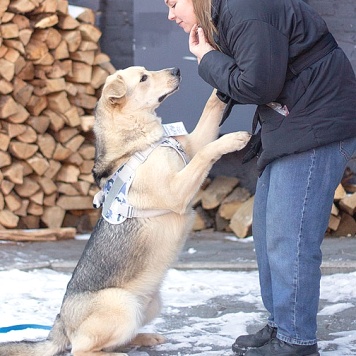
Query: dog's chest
{"x": 113, "y": 198}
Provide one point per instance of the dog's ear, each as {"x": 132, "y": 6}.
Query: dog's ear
{"x": 115, "y": 91}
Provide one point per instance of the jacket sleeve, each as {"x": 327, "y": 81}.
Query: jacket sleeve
{"x": 256, "y": 70}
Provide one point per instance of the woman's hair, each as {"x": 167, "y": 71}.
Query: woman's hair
{"x": 202, "y": 10}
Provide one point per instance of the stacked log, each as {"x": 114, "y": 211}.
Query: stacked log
{"x": 51, "y": 73}
{"x": 223, "y": 205}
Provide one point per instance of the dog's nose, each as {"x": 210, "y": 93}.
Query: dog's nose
{"x": 175, "y": 72}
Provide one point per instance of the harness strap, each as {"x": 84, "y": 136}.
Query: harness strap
{"x": 173, "y": 143}
{"x": 130, "y": 211}
{"x": 125, "y": 174}
{"x": 121, "y": 182}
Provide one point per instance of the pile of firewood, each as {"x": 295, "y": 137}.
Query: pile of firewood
{"x": 51, "y": 73}
{"x": 223, "y": 205}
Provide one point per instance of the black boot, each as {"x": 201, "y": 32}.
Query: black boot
{"x": 277, "y": 347}
{"x": 244, "y": 342}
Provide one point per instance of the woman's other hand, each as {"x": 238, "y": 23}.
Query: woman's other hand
{"x": 198, "y": 43}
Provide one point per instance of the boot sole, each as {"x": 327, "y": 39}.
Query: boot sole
{"x": 239, "y": 351}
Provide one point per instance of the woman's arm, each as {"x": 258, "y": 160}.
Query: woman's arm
{"x": 255, "y": 72}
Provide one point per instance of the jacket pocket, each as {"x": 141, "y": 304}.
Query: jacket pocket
{"x": 270, "y": 119}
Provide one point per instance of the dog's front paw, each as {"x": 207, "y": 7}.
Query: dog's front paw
{"x": 235, "y": 141}
{"x": 147, "y": 339}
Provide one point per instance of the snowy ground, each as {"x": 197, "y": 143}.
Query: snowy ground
{"x": 203, "y": 310}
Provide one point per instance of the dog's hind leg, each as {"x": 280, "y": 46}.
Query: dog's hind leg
{"x": 94, "y": 344}
{"x": 147, "y": 340}
{"x": 112, "y": 320}
{"x": 153, "y": 308}
{"x": 150, "y": 339}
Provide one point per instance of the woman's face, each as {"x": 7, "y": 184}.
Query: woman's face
{"x": 182, "y": 12}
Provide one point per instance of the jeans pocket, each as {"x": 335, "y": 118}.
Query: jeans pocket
{"x": 348, "y": 148}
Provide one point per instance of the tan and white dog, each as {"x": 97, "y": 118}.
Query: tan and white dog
{"x": 115, "y": 288}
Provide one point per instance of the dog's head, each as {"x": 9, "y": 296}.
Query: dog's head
{"x": 137, "y": 89}
{"x": 125, "y": 119}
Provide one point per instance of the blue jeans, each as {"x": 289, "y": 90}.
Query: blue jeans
{"x": 293, "y": 201}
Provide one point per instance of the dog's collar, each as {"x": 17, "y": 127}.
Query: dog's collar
{"x": 114, "y": 195}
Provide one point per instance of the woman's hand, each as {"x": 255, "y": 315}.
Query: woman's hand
{"x": 198, "y": 44}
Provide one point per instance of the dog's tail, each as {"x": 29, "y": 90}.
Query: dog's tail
{"x": 55, "y": 343}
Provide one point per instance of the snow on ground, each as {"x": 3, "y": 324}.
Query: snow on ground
{"x": 199, "y": 315}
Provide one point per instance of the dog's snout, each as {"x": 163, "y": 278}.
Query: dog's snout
{"x": 175, "y": 72}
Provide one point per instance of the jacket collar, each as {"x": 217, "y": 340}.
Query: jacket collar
{"x": 215, "y": 11}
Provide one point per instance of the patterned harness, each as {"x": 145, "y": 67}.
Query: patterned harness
{"x": 114, "y": 195}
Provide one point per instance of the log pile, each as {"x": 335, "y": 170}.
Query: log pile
{"x": 48, "y": 234}
{"x": 51, "y": 73}
{"x": 223, "y": 205}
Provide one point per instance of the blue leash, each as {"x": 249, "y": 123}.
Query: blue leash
{"x": 6, "y": 329}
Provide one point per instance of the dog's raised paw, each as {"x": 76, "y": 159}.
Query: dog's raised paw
{"x": 148, "y": 339}
{"x": 244, "y": 137}
{"x": 234, "y": 141}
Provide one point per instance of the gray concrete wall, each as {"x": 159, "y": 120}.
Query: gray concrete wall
{"x": 116, "y": 20}
{"x": 340, "y": 15}
{"x": 117, "y": 25}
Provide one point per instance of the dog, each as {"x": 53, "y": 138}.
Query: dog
{"x": 115, "y": 287}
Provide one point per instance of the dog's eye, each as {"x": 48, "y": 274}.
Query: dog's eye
{"x": 144, "y": 78}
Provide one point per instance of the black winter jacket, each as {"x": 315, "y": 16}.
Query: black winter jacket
{"x": 259, "y": 41}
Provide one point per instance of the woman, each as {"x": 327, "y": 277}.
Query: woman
{"x": 279, "y": 55}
